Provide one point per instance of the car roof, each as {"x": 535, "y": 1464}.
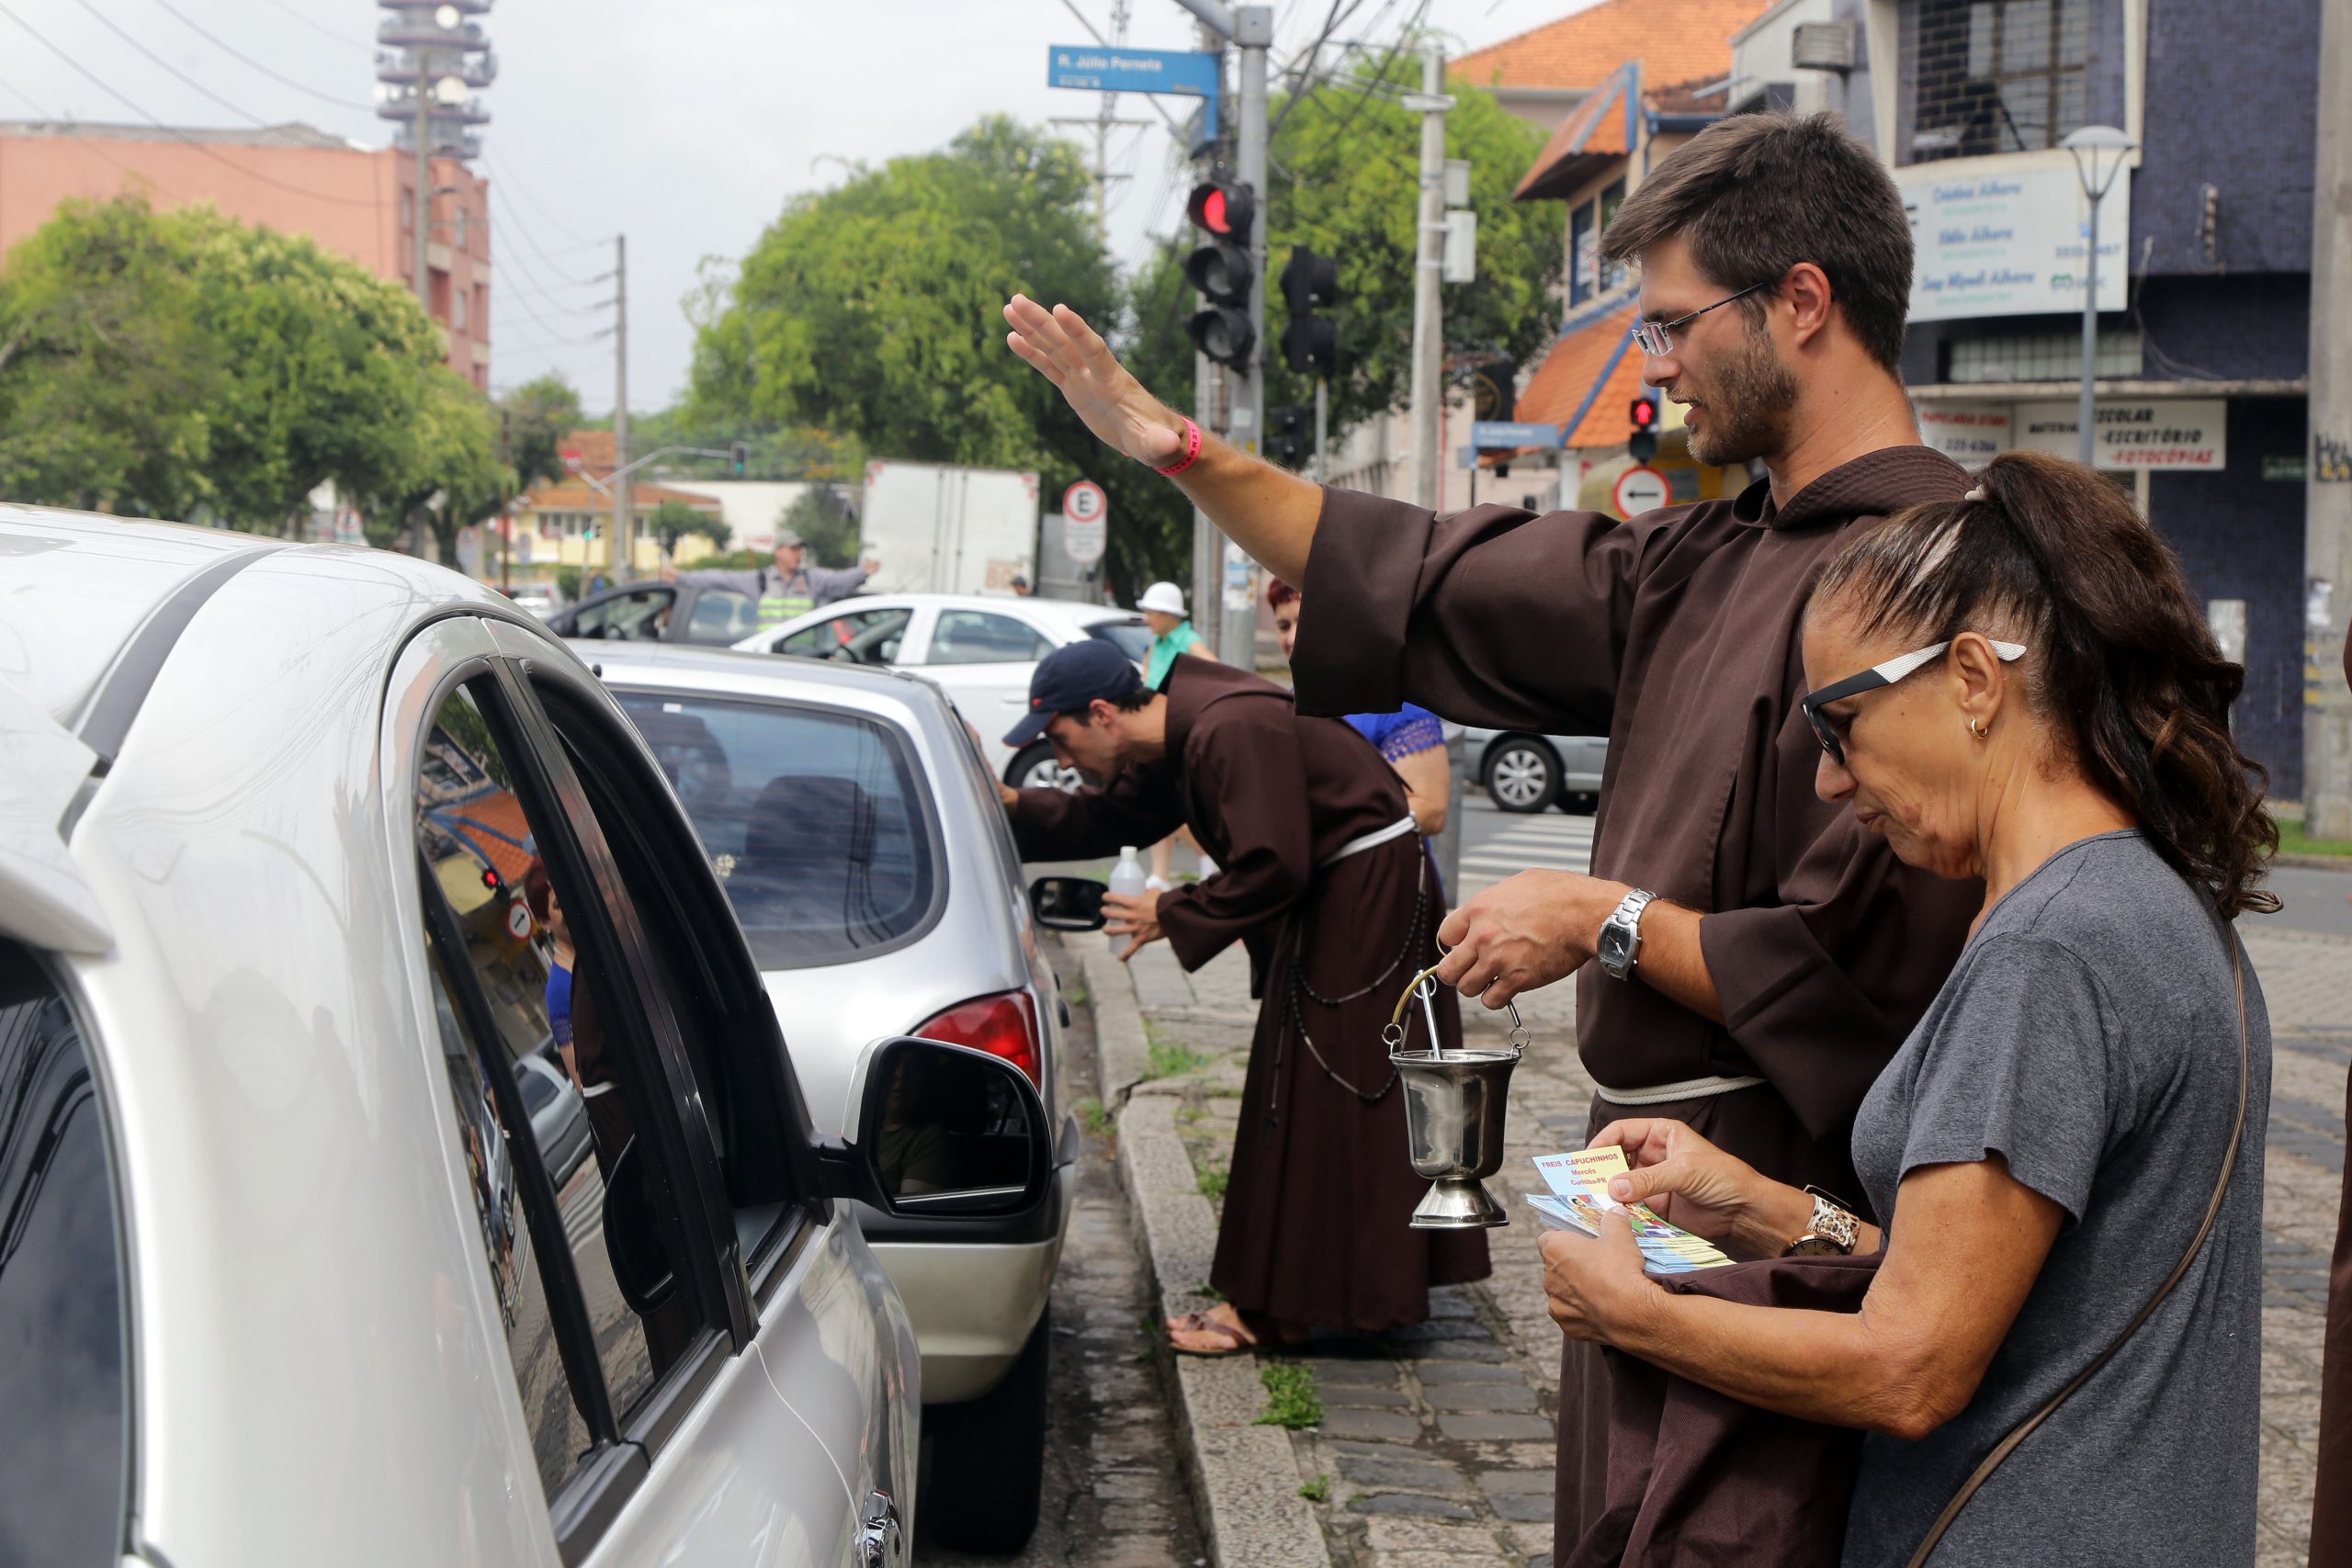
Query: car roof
{"x": 1065, "y": 611}
{"x": 79, "y": 586}
{"x": 703, "y": 666}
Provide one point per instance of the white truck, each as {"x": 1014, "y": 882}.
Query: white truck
{"x": 942, "y": 529}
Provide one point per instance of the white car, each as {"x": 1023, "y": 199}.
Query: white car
{"x": 859, "y": 835}
{"x": 980, "y": 650}
{"x": 541, "y": 600}
{"x": 294, "y": 1266}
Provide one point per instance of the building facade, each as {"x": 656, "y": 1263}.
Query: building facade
{"x": 2203, "y": 266}
{"x": 354, "y": 201}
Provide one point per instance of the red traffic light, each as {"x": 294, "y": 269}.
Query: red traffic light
{"x": 1223, "y": 209}
{"x": 1644, "y": 413}
{"x": 489, "y": 878}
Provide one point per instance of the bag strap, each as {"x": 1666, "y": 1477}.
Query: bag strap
{"x": 2024, "y": 1429}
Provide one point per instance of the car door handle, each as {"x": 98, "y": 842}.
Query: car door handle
{"x": 881, "y": 1542}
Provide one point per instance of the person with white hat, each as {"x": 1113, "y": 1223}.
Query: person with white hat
{"x": 1171, "y": 633}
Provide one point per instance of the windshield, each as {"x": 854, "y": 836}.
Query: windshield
{"x": 813, "y": 818}
{"x": 1133, "y": 637}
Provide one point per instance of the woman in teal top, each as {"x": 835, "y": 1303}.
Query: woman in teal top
{"x": 1163, "y": 610}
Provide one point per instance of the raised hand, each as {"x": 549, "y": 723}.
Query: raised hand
{"x": 1073, "y": 356}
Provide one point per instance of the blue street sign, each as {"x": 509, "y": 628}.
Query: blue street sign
{"x": 1503, "y": 432}
{"x": 1096, "y": 69}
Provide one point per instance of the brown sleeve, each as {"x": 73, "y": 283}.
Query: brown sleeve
{"x": 1139, "y": 808}
{"x": 1248, "y": 771}
{"x": 1492, "y": 615}
{"x": 2347, "y": 660}
{"x": 1819, "y": 988}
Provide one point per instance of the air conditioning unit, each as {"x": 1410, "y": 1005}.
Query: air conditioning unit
{"x": 1823, "y": 46}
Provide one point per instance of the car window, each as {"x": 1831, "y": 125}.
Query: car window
{"x": 861, "y": 636}
{"x": 813, "y": 818}
{"x": 975, "y": 636}
{"x": 585, "y": 1192}
{"x": 1131, "y": 637}
{"x": 721, "y": 615}
{"x": 641, "y": 615}
{"x": 62, "y": 1492}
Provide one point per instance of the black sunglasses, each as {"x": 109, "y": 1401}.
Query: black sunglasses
{"x": 1885, "y": 674}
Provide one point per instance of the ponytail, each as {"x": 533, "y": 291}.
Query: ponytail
{"x": 2123, "y": 665}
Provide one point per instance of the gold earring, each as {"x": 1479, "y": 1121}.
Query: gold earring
{"x": 1983, "y": 734}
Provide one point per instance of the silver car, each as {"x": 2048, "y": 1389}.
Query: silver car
{"x": 859, "y": 834}
{"x": 1522, "y": 771}
{"x": 310, "y": 860}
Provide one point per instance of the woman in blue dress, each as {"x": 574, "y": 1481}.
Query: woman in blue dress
{"x": 1412, "y": 739}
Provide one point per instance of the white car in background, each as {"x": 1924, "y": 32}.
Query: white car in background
{"x": 980, "y": 650}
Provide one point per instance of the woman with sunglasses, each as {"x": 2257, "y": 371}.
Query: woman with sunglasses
{"x": 2018, "y": 687}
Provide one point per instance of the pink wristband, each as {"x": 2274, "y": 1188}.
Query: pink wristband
{"x": 1192, "y": 450}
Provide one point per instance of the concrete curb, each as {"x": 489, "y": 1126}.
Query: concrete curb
{"x": 1245, "y": 1477}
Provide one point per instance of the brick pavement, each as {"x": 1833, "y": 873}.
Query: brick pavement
{"x": 1437, "y": 1443}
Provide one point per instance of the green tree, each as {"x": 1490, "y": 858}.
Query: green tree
{"x": 537, "y": 416}
{"x": 104, "y": 370}
{"x": 826, "y": 524}
{"x": 673, "y": 520}
{"x": 875, "y": 309}
{"x": 1345, "y": 180}
{"x": 448, "y": 476}
{"x": 329, "y": 369}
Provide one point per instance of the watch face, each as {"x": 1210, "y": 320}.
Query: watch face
{"x": 1810, "y": 1246}
{"x": 1613, "y": 944}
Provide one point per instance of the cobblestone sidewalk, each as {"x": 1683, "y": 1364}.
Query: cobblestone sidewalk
{"x": 1436, "y": 1444}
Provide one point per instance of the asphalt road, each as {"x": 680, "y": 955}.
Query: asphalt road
{"x": 1496, "y": 843}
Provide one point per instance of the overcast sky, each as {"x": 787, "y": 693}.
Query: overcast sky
{"x": 684, "y": 123}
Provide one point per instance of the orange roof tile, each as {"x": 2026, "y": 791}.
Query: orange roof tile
{"x": 1594, "y": 128}
{"x": 574, "y": 495}
{"x": 1565, "y": 382}
{"x": 1675, "y": 40}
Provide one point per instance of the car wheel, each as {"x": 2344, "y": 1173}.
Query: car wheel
{"x": 1521, "y": 776}
{"x": 988, "y": 1457}
{"x": 1035, "y": 768}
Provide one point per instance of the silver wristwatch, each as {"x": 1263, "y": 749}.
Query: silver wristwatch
{"x": 1621, "y": 936}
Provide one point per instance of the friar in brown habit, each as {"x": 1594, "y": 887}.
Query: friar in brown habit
{"x": 2332, "y": 1497}
{"x": 1321, "y": 876}
{"x": 1785, "y": 952}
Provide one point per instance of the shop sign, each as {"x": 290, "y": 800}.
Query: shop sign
{"x": 2183, "y": 433}
{"x": 2003, "y": 236}
{"x": 2293, "y": 468}
{"x": 1971, "y": 434}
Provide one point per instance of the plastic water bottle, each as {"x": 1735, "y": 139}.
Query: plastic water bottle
{"x": 1127, "y": 876}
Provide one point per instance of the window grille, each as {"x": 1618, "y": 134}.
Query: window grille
{"x": 1996, "y": 75}
{"x": 2039, "y": 356}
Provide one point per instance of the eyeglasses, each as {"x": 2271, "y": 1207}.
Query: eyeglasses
{"x": 1653, "y": 335}
{"x": 1825, "y": 728}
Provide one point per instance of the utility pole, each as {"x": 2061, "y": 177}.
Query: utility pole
{"x": 1322, "y": 429}
{"x": 623, "y": 487}
{"x": 2327, "y": 473}
{"x": 1102, "y": 122}
{"x": 1208, "y": 544}
{"x": 424, "y": 136}
{"x": 1429, "y": 263}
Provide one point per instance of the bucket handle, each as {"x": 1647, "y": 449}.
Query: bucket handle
{"x": 1424, "y": 985}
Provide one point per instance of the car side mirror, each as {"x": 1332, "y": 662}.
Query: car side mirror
{"x": 1067, "y": 903}
{"x": 943, "y": 1131}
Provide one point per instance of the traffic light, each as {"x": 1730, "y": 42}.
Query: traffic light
{"x": 738, "y": 454}
{"x": 1221, "y": 270}
{"x": 1311, "y": 343}
{"x": 1288, "y": 432}
{"x": 1642, "y": 445}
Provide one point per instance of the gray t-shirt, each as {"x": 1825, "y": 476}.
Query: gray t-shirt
{"x": 2089, "y": 1033}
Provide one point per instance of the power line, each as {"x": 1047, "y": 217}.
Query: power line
{"x": 525, "y": 229}
{"x": 316, "y": 26}
{"x": 112, "y": 26}
{"x": 508, "y": 176}
{"x": 175, "y": 133}
{"x": 274, "y": 76}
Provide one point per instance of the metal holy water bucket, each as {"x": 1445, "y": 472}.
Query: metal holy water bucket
{"x": 1455, "y": 1102}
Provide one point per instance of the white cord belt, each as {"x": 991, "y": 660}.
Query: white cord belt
{"x": 1689, "y": 1088}
{"x": 1372, "y": 840}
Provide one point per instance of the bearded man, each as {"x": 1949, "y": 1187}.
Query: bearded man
{"x": 1760, "y": 953}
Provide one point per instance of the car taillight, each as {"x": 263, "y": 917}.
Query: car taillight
{"x": 1003, "y": 1025}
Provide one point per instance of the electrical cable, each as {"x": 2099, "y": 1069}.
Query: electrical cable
{"x": 317, "y": 25}
{"x": 525, "y": 229}
{"x": 508, "y": 176}
{"x": 115, "y": 27}
{"x": 236, "y": 53}
{"x": 174, "y": 133}
{"x": 90, "y": 143}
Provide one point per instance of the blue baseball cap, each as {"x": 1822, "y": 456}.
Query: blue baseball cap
{"x": 1067, "y": 679}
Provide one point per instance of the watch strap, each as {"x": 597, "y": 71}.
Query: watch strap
{"x": 1627, "y": 917}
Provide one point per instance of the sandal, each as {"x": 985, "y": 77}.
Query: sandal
{"x": 1237, "y": 1339}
